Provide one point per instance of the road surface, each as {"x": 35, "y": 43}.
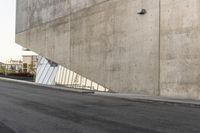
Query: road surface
{"x": 31, "y": 109}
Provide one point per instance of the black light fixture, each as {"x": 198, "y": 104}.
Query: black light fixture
{"x": 142, "y": 11}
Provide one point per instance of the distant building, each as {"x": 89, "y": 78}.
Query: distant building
{"x": 14, "y": 65}
{"x": 29, "y": 63}
{"x": 2, "y": 65}
{"x": 2, "y": 68}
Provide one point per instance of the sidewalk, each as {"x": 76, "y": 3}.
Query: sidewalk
{"x": 146, "y": 98}
{"x": 132, "y": 97}
{"x": 49, "y": 86}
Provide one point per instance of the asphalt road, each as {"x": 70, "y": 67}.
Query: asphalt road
{"x": 31, "y": 109}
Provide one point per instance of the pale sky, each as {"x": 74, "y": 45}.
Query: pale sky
{"x": 8, "y": 47}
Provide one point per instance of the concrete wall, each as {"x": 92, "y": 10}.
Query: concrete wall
{"x": 108, "y": 42}
{"x": 115, "y": 46}
{"x": 180, "y": 48}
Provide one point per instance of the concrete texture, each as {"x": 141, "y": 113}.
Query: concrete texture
{"x": 32, "y": 109}
{"x": 109, "y": 43}
{"x": 180, "y": 49}
{"x": 101, "y": 37}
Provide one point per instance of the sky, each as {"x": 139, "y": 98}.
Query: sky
{"x": 8, "y": 47}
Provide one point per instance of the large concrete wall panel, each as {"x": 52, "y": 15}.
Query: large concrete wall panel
{"x": 77, "y": 5}
{"x": 43, "y": 11}
{"x": 32, "y": 13}
{"x": 37, "y": 39}
{"x": 38, "y": 12}
{"x": 180, "y": 48}
{"x": 58, "y": 41}
{"x": 113, "y": 45}
{"x": 133, "y": 59}
{"x": 22, "y": 15}
{"x": 87, "y": 45}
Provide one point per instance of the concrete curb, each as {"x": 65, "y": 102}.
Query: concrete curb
{"x": 146, "y": 98}
{"x": 67, "y": 89}
{"x": 131, "y": 97}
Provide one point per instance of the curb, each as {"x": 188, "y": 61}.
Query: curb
{"x": 151, "y": 99}
{"x": 61, "y": 88}
{"x": 129, "y": 97}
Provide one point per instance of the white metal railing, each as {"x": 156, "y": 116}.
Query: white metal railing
{"x": 51, "y": 74}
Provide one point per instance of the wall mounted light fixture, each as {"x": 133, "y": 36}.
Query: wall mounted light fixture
{"x": 142, "y": 11}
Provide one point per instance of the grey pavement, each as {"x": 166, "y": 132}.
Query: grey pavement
{"x": 148, "y": 98}
{"x": 26, "y": 108}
